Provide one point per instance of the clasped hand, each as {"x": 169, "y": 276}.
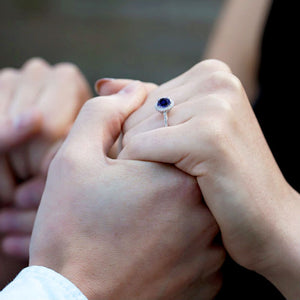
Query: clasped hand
{"x": 123, "y": 229}
{"x": 134, "y": 215}
{"x": 38, "y": 104}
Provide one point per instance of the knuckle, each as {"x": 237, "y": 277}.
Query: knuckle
{"x": 100, "y": 104}
{"x": 225, "y": 81}
{"x": 65, "y": 162}
{"x": 232, "y": 83}
{"x": 211, "y": 65}
{"x": 91, "y": 104}
{"x": 67, "y": 71}
{"x": 8, "y": 74}
{"x": 35, "y": 64}
{"x": 224, "y": 110}
{"x": 151, "y": 86}
{"x": 105, "y": 109}
{"x": 89, "y": 107}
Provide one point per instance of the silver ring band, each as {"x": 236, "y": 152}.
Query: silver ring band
{"x": 164, "y": 105}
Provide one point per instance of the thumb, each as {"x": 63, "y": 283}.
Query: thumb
{"x": 109, "y": 86}
{"x": 100, "y": 120}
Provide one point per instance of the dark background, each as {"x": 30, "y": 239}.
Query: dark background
{"x": 147, "y": 40}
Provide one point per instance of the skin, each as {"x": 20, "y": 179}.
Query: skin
{"x": 12, "y": 134}
{"x": 27, "y": 196}
{"x": 38, "y": 104}
{"x": 123, "y": 239}
{"x": 42, "y": 87}
{"x": 215, "y": 137}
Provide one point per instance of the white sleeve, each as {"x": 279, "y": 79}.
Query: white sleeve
{"x": 40, "y": 283}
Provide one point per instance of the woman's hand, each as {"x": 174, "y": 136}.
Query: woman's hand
{"x": 214, "y": 136}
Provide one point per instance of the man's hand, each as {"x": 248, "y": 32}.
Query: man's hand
{"x": 123, "y": 229}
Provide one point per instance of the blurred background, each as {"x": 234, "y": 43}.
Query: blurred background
{"x": 147, "y": 40}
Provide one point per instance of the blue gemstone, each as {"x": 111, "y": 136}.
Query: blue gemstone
{"x": 164, "y": 102}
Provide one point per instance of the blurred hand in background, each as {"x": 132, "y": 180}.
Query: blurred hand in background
{"x": 38, "y": 104}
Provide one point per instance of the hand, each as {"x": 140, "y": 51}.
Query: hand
{"x": 16, "y": 222}
{"x": 13, "y": 133}
{"x": 57, "y": 92}
{"x": 38, "y": 103}
{"x": 214, "y": 135}
{"x": 123, "y": 229}
{"x": 110, "y": 86}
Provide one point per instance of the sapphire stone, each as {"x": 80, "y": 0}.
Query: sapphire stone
{"x": 164, "y": 102}
{"x": 163, "y": 105}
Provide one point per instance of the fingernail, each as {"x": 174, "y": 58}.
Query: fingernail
{"x": 130, "y": 88}
{"x": 99, "y": 84}
{"x": 24, "y": 120}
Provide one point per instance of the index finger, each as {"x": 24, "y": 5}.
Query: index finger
{"x": 192, "y": 77}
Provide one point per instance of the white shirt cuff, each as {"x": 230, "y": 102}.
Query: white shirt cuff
{"x": 40, "y": 283}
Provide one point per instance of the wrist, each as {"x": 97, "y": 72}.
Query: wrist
{"x": 286, "y": 277}
{"x": 282, "y": 263}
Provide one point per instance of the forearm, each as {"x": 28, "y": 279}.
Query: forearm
{"x": 285, "y": 274}
{"x": 236, "y": 39}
